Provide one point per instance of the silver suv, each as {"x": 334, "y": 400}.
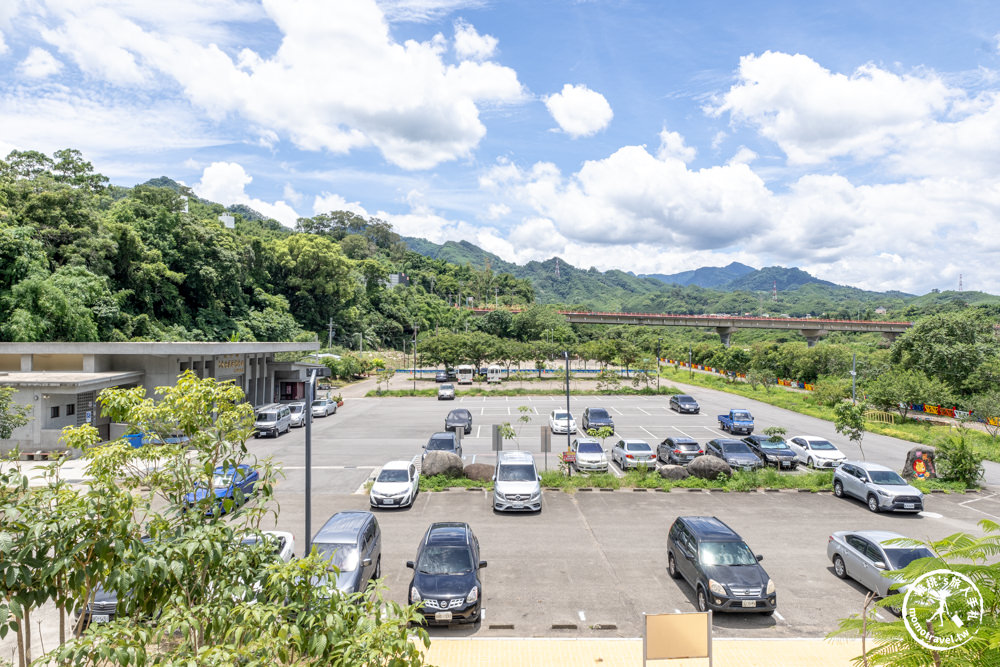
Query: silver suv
{"x": 516, "y": 484}
{"x": 880, "y": 487}
{"x": 273, "y": 420}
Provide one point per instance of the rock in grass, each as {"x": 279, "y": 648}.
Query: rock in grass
{"x": 709, "y": 467}
{"x": 481, "y": 472}
{"x": 441, "y": 463}
{"x": 674, "y": 472}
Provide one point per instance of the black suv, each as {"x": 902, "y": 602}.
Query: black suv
{"x": 458, "y": 419}
{"x": 596, "y": 418}
{"x": 445, "y": 441}
{"x": 736, "y": 453}
{"x": 684, "y": 403}
{"x": 772, "y": 451}
{"x": 717, "y": 563}
{"x": 678, "y": 451}
{"x": 446, "y": 575}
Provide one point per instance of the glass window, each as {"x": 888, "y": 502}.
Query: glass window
{"x": 345, "y": 556}
{"x": 445, "y": 560}
{"x": 887, "y": 478}
{"x": 393, "y": 476}
{"x": 589, "y": 448}
{"x": 54, "y": 412}
{"x": 900, "y": 557}
{"x": 638, "y": 447}
{"x": 725, "y": 553}
{"x": 820, "y": 445}
{"x": 441, "y": 444}
{"x": 70, "y": 410}
{"x": 520, "y": 472}
{"x": 735, "y": 448}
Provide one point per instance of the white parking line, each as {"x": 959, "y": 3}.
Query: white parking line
{"x": 684, "y": 433}
{"x": 651, "y": 434}
{"x": 968, "y": 503}
{"x": 877, "y": 615}
{"x": 479, "y": 430}
{"x": 618, "y": 411}
{"x": 642, "y": 411}
{"x": 780, "y": 617}
{"x": 677, "y": 611}
{"x": 582, "y": 616}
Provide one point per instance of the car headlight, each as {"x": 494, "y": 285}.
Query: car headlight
{"x": 415, "y": 594}
{"x": 770, "y": 586}
{"x": 473, "y": 595}
{"x": 499, "y": 495}
{"x": 716, "y": 587}
{"x": 882, "y": 493}
{"x": 536, "y": 494}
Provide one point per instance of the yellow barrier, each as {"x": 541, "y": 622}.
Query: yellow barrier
{"x": 880, "y": 417}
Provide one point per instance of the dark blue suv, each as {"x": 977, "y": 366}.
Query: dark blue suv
{"x": 718, "y": 564}
{"x": 446, "y": 575}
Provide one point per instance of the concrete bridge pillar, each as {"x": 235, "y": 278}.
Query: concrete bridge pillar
{"x": 812, "y": 335}
{"x": 725, "y": 333}
{"x": 890, "y": 336}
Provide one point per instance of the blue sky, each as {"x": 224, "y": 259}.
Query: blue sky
{"x": 856, "y": 140}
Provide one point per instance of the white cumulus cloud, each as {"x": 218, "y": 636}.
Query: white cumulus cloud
{"x": 39, "y": 64}
{"x": 328, "y": 202}
{"x": 469, "y": 44}
{"x": 579, "y": 111}
{"x": 225, "y": 183}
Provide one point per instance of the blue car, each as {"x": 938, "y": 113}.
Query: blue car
{"x": 225, "y": 481}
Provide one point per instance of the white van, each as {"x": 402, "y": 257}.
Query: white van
{"x": 273, "y": 419}
{"x": 493, "y": 374}
{"x": 465, "y": 374}
{"x": 516, "y": 484}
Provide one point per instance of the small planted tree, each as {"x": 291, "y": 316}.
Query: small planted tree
{"x": 850, "y": 421}
{"x": 12, "y": 416}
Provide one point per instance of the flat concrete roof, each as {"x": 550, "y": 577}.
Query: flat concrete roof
{"x": 69, "y": 379}
{"x": 150, "y": 349}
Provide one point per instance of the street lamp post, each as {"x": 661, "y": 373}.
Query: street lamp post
{"x": 690, "y": 367}
{"x": 569, "y": 468}
{"x": 415, "y": 330}
{"x": 361, "y": 342}
{"x": 659, "y": 341}
{"x": 310, "y": 395}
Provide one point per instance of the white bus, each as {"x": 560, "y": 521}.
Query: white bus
{"x": 465, "y": 374}
{"x": 493, "y": 374}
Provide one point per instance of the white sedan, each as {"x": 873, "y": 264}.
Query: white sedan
{"x": 397, "y": 485}
{"x": 816, "y": 452}
{"x": 561, "y": 421}
{"x": 284, "y": 543}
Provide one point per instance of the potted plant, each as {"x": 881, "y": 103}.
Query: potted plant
{"x": 338, "y": 399}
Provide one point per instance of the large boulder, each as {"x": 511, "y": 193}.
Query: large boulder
{"x": 674, "y": 472}
{"x": 920, "y": 463}
{"x": 481, "y": 472}
{"x": 441, "y": 463}
{"x": 707, "y": 466}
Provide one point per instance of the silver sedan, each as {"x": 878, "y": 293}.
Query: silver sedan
{"x": 866, "y": 556}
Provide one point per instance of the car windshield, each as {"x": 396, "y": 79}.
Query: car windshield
{"x": 598, "y": 413}
{"x": 319, "y": 404}
{"x": 393, "y": 476}
{"x": 222, "y": 481}
{"x": 820, "y": 444}
{"x": 686, "y": 445}
{"x": 735, "y": 448}
{"x": 276, "y": 543}
{"x": 517, "y": 472}
{"x": 562, "y": 415}
{"x": 725, "y": 553}
{"x": 685, "y": 399}
{"x": 345, "y": 556}
{"x": 742, "y": 415}
{"x": 448, "y": 387}
{"x": 459, "y": 414}
{"x": 886, "y": 478}
{"x": 441, "y": 443}
{"x": 266, "y": 417}
{"x": 637, "y": 447}
{"x": 767, "y": 444}
{"x": 296, "y": 409}
{"x": 589, "y": 448}
{"x": 901, "y": 557}
{"x": 445, "y": 560}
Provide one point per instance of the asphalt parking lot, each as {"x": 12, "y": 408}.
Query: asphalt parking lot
{"x": 592, "y": 562}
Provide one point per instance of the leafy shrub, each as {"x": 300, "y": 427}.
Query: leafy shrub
{"x": 830, "y": 391}
{"x": 957, "y": 461}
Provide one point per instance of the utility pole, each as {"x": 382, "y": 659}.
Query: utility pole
{"x": 496, "y": 297}
{"x": 415, "y": 330}
{"x": 659, "y": 341}
{"x": 566, "y": 355}
{"x": 690, "y": 367}
{"x": 310, "y": 395}
{"x": 854, "y": 377}
{"x": 329, "y": 338}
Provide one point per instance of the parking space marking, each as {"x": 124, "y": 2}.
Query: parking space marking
{"x": 583, "y": 617}
{"x": 479, "y": 430}
{"x": 642, "y": 411}
{"x": 648, "y": 431}
{"x": 780, "y": 617}
{"x": 877, "y": 615}
{"x": 967, "y": 504}
{"x": 682, "y": 432}
{"x": 618, "y": 411}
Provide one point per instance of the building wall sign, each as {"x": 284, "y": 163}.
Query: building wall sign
{"x": 231, "y": 364}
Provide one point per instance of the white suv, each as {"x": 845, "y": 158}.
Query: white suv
{"x": 516, "y": 484}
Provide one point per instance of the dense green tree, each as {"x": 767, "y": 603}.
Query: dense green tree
{"x": 896, "y": 389}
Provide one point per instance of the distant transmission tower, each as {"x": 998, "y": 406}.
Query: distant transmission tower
{"x": 557, "y": 267}
{"x": 774, "y": 291}
{"x": 960, "y": 282}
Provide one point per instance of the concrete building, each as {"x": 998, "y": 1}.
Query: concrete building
{"x": 61, "y": 381}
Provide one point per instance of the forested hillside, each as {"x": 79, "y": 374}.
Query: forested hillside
{"x": 81, "y": 260}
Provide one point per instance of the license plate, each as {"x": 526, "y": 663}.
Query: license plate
{"x": 100, "y": 618}
{"x": 908, "y": 506}
{"x": 749, "y": 603}
{"x": 442, "y": 616}
{"x": 786, "y": 464}
{"x": 388, "y": 501}
{"x": 517, "y": 505}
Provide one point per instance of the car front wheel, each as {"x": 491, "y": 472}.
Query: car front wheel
{"x": 702, "y": 600}
{"x": 810, "y": 463}
{"x": 873, "y": 503}
{"x": 838, "y": 489}
{"x": 839, "y": 568}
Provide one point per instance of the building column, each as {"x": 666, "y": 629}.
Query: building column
{"x": 890, "y": 336}
{"x": 725, "y": 333}
{"x": 26, "y": 363}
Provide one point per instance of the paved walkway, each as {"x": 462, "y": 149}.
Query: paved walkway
{"x": 628, "y": 652}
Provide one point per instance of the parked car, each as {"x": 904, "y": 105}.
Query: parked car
{"x": 446, "y": 575}
{"x": 297, "y": 411}
{"x": 561, "y": 421}
{"x": 516, "y": 484}
{"x": 866, "y": 556}
{"x": 734, "y": 452}
{"x": 231, "y": 483}
{"x": 322, "y": 407}
{"x": 396, "y": 485}
{"x": 881, "y": 488}
{"x": 596, "y": 418}
{"x": 772, "y": 451}
{"x": 443, "y": 442}
{"x": 354, "y": 541}
{"x": 816, "y": 452}
{"x": 441, "y": 376}
{"x": 684, "y": 403}
{"x": 720, "y": 567}
{"x": 272, "y": 420}
{"x": 630, "y": 453}
{"x": 458, "y": 419}
{"x": 679, "y": 450}
{"x": 590, "y": 456}
{"x": 281, "y": 542}
{"x": 446, "y": 392}
{"x": 737, "y": 422}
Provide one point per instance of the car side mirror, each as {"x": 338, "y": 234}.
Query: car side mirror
{"x": 689, "y": 556}
{"x": 482, "y": 563}
{"x": 539, "y": 477}
{"x": 409, "y": 564}
{"x": 367, "y": 562}
{"x": 760, "y": 557}
{"x": 879, "y": 565}
{"x": 494, "y": 478}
